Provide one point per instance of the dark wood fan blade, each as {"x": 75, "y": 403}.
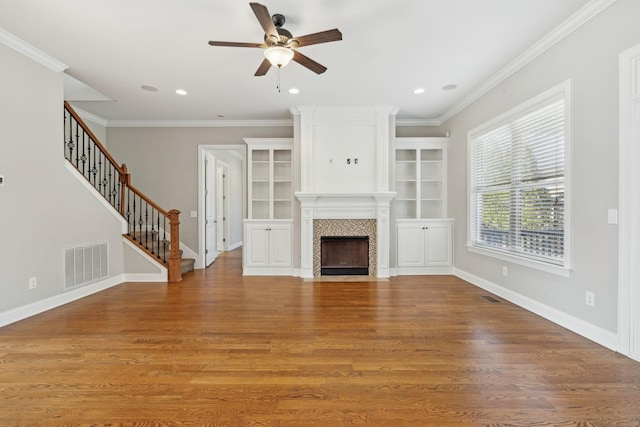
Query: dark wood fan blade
{"x": 263, "y": 68}
{"x": 321, "y": 37}
{"x": 236, "y": 44}
{"x": 264, "y": 18}
{"x": 305, "y": 61}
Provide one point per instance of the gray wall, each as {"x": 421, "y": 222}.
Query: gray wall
{"x": 163, "y": 163}
{"x": 589, "y": 57}
{"x": 43, "y": 208}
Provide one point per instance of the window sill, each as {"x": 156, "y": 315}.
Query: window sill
{"x": 537, "y": 265}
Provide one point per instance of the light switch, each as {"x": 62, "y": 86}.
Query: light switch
{"x": 194, "y": 214}
{"x": 612, "y": 216}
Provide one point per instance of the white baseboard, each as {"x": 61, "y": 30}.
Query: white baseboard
{"x": 147, "y": 277}
{"x": 235, "y": 245}
{"x": 421, "y": 271}
{"x": 592, "y": 332}
{"x": 47, "y": 304}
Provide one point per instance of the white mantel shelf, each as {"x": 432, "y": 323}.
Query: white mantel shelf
{"x": 345, "y": 205}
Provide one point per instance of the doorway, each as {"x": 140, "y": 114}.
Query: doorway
{"x": 221, "y": 199}
{"x": 629, "y": 205}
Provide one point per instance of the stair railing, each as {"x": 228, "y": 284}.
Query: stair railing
{"x": 147, "y": 222}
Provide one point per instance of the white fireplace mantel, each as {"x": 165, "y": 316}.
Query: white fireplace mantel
{"x": 344, "y": 168}
{"x": 345, "y": 206}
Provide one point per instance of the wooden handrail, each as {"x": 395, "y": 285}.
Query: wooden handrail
{"x": 148, "y": 200}
{"x": 92, "y": 135}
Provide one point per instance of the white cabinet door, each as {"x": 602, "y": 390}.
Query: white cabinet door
{"x": 256, "y": 246}
{"x": 438, "y": 242}
{"x": 411, "y": 245}
{"x": 425, "y": 247}
{"x": 280, "y": 245}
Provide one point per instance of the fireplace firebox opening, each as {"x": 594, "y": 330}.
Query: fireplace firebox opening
{"x": 344, "y": 255}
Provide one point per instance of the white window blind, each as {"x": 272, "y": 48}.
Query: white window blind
{"x": 518, "y": 182}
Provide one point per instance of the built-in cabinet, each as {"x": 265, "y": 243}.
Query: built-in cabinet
{"x": 425, "y": 246}
{"x": 420, "y": 178}
{"x": 423, "y": 233}
{"x": 270, "y": 176}
{"x": 268, "y": 247}
{"x": 268, "y": 230}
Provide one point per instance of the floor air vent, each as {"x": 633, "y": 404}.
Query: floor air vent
{"x": 85, "y": 264}
{"x": 489, "y": 298}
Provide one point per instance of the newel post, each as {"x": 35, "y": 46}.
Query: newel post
{"x": 125, "y": 180}
{"x": 175, "y": 273}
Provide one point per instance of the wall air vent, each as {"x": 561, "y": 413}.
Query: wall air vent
{"x": 85, "y": 264}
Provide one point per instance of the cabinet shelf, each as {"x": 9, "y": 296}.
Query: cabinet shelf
{"x": 270, "y": 173}
{"x": 420, "y": 178}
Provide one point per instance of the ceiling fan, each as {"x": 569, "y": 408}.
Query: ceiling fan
{"x": 280, "y": 45}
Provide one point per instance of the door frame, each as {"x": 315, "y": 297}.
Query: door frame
{"x": 202, "y": 149}
{"x": 629, "y": 204}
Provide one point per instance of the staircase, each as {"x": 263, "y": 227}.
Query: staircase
{"x": 151, "y": 228}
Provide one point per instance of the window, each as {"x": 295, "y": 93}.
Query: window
{"x": 518, "y": 172}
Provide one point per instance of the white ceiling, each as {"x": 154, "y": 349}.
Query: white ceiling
{"x": 389, "y": 48}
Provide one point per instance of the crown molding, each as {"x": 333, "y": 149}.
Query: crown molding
{"x": 571, "y": 24}
{"x": 418, "y": 122}
{"x": 29, "y": 51}
{"x": 197, "y": 123}
{"x": 85, "y": 115}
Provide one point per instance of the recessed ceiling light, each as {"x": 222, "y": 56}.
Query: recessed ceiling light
{"x": 181, "y": 92}
{"x": 449, "y": 87}
{"x": 419, "y": 90}
{"x": 294, "y": 90}
{"x": 149, "y": 88}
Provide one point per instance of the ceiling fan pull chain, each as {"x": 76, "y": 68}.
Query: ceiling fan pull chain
{"x": 278, "y": 83}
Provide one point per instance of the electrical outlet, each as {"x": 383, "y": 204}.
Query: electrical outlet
{"x": 590, "y": 299}
{"x": 33, "y": 282}
{"x": 505, "y": 271}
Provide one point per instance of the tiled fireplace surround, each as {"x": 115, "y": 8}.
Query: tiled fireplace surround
{"x": 345, "y": 227}
{"x": 345, "y": 215}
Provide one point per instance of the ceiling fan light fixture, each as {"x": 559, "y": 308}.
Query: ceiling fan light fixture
{"x": 279, "y": 56}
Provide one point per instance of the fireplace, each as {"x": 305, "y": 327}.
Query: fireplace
{"x": 328, "y": 229}
{"x": 344, "y": 255}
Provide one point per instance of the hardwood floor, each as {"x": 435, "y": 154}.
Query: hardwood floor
{"x": 225, "y": 350}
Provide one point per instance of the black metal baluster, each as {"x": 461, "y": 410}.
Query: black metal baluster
{"x": 164, "y": 240}
{"x": 146, "y": 229}
{"x": 94, "y": 169}
{"x": 133, "y": 218}
{"x": 158, "y": 235}
{"x": 77, "y": 145}
{"x": 89, "y": 167}
{"x": 104, "y": 177}
{"x": 128, "y": 212}
{"x": 140, "y": 220}
{"x": 109, "y": 192}
{"x": 70, "y": 142}
{"x": 84, "y": 154}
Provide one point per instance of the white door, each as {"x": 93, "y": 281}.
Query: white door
{"x": 629, "y": 205}
{"x": 211, "y": 243}
{"x": 221, "y": 202}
